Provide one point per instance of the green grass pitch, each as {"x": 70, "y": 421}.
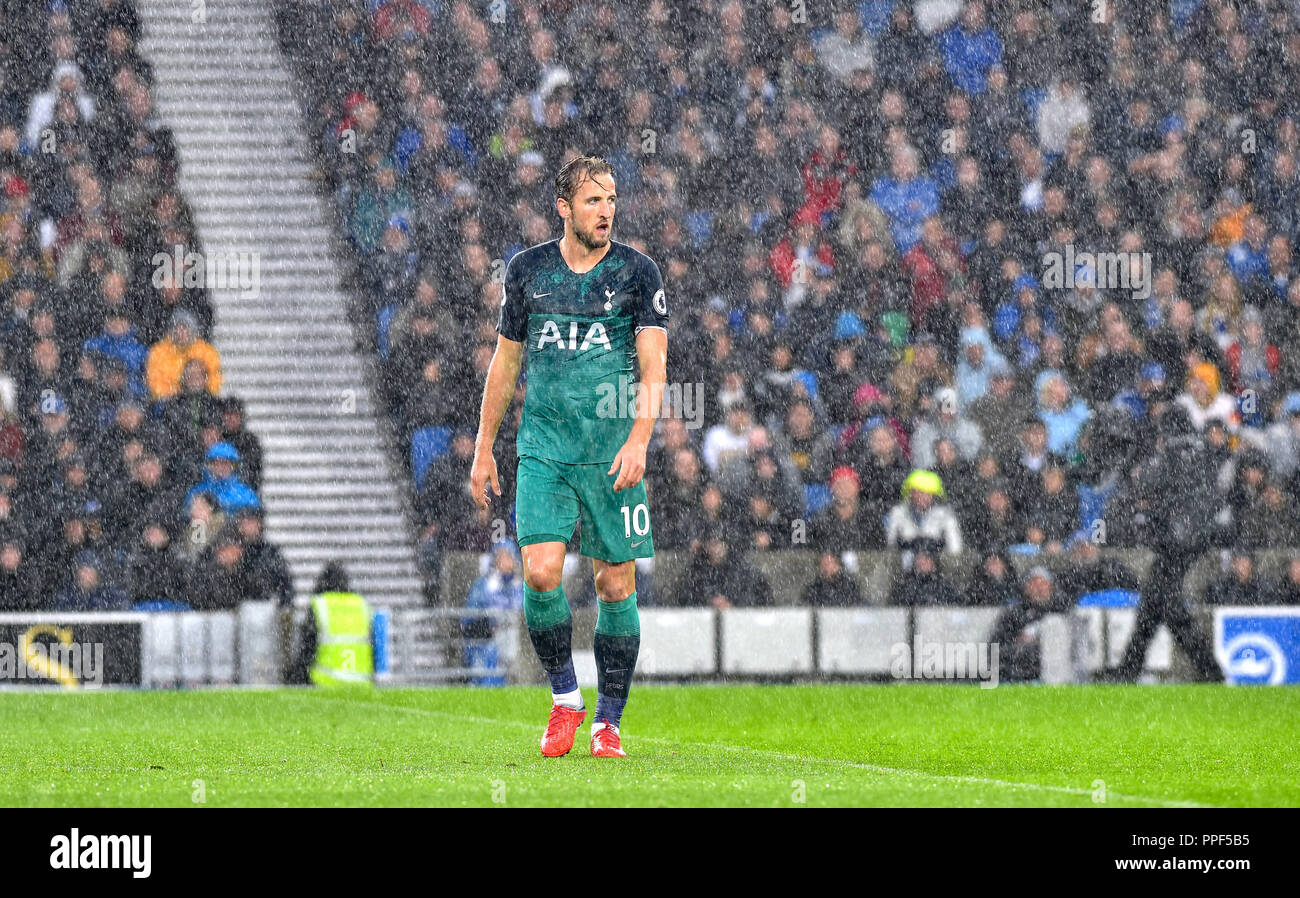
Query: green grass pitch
{"x": 688, "y": 745}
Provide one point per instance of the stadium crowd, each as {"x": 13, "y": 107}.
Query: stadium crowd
{"x": 126, "y": 478}
{"x": 857, "y": 209}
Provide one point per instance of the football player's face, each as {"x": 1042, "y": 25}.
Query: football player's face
{"x": 592, "y": 211}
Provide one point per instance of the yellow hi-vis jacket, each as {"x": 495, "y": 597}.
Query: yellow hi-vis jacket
{"x": 343, "y": 653}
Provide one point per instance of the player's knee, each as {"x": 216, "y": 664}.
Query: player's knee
{"x": 543, "y": 577}
{"x": 615, "y": 585}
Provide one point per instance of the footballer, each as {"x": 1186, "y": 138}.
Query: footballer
{"x": 584, "y": 310}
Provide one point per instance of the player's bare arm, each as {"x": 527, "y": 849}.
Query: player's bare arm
{"x": 502, "y": 376}
{"x": 652, "y": 356}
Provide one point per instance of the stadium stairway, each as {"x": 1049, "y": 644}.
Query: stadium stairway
{"x": 330, "y": 485}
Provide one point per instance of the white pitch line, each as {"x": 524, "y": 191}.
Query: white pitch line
{"x": 741, "y": 749}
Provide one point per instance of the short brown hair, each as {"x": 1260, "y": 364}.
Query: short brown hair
{"x": 577, "y": 170}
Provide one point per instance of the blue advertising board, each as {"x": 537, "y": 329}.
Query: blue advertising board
{"x": 1258, "y": 646}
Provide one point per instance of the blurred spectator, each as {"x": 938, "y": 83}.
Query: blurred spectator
{"x": 677, "y": 512}
{"x": 1285, "y": 592}
{"x": 1240, "y": 584}
{"x": 993, "y": 582}
{"x": 168, "y": 357}
{"x": 1053, "y": 512}
{"x": 845, "y": 524}
{"x": 223, "y": 483}
{"x": 970, "y": 49}
{"x": 803, "y": 444}
{"x": 833, "y": 587}
{"x": 1089, "y": 571}
{"x": 501, "y": 588}
{"x": 1282, "y": 438}
{"x": 998, "y": 411}
{"x": 16, "y": 592}
{"x": 727, "y": 443}
{"x": 881, "y": 470}
{"x": 924, "y": 584}
{"x": 118, "y": 340}
{"x": 224, "y": 576}
{"x": 446, "y": 518}
{"x": 266, "y": 563}
{"x": 203, "y": 520}
{"x": 155, "y": 572}
{"x": 189, "y": 410}
{"x": 946, "y": 423}
{"x": 88, "y": 591}
{"x": 920, "y": 522}
{"x": 1063, "y": 415}
{"x": 1016, "y": 632}
{"x": 1204, "y": 400}
{"x": 997, "y": 524}
{"x": 720, "y": 577}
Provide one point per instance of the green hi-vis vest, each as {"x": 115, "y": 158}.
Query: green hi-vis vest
{"x": 343, "y": 653}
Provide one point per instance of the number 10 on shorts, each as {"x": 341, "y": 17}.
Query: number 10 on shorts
{"x": 637, "y": 519}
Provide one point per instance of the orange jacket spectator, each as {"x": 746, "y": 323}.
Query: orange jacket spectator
{"x": 169, "y": 356}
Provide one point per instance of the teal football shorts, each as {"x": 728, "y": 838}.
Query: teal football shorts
{"x": 550, "y": 496}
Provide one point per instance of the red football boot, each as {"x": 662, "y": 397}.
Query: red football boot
{"x": 605, "y": 742}
{"x": 558, "y": 738}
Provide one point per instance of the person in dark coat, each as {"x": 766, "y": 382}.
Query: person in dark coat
{"x": 993, "y": 582}
{"x": 677, "y": 501}
{"x": 236, "y": 434}
{"x": 224, "y": 578}
{"x": 1053, "y": 512}
{"x": 265, "y": 561}
{"x": 997, "y": 523}
{"x": 845, "y": 523}
{"x": 16, "y": 593}
{"x": 155, "y": 572}
{"x": 721, "y": 577}
{"x": 1286, "y": 591}
{"x": 1240, "y": 584}
{"x": 88, "y": 591}
{"x": 1178, "y": 486}
{"x": 1016, "y": 630}
{"x": 1088, "y": 571}
{"x": 833, "y": 587}
{"x": 925, "y": 584}
{"x": 183, "y": 415}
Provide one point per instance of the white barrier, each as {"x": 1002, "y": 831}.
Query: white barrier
{"x": 859, "y": 641}
{"x": 678, "y": 642}
{"x": 767, "y": 642}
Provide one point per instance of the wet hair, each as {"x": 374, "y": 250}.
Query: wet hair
{"x": 333, "y": 578}
{"x": 571, "y": 175}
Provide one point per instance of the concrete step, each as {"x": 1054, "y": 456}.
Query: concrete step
{"x": 334, "y": 490}
{"x": 249, "y": 174}
{"x": 331, "y": 410}
{"x": 331, "y": 488}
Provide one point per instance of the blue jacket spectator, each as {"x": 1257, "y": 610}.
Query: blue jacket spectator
{"x": 500, "y": 588}
{"x": 970, "y": 49}
{"x": 906, "y": 197}
{"x": 1009, "y": 316}
{"x": 1063, "y": 415}
{"x": 980, "y": 361}
{"x": 231, "y": 493}
{"x": 1248, "y": 257}
{"x": 119, "y": 341}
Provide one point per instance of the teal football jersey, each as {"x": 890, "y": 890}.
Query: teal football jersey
{"x": 579, "y": 336}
